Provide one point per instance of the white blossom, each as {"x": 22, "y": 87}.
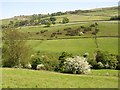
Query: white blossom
{"x": 77, "y": 65}
{"x": 40, "y": 67}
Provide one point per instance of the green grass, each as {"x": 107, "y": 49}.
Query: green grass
{"x": 108, "y": 29}
{"x": 23, "y": 78}
{"x": 75, "y": 46}
{"x": 105, "y": 29}
{"x": 84, "y": 17}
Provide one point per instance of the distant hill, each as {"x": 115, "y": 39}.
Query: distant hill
{"x": 107, "y": 12}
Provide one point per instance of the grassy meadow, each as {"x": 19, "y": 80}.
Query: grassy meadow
{"x": 75, "y": 46}
{"x": 108, "y": 28}
{"x": 23, "y": 78}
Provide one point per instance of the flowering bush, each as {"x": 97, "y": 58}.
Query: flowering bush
{"x": 28, "y": 66}
{"x": 40, "y": 67}
{"x": 62, "y": 58}
{"x": 76, "y": 65}
{"x": 100, "y": 65}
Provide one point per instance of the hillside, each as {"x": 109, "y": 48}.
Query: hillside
{"x": 46, "y": 79}
{"x": 81, "y": 25}
{"x": 74, "y": 16}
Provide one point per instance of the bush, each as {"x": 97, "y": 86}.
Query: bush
{"x": 85, "y": 55}
{"x": 35, "y": 61}
{"x": 62, "y": 58}
{"x": 28, "y": 66}
{"x": 40, "y": 67}
{"x": 93, "y": 63}
{"x": 65, "y": 20}
{"x": 100, "y": 65}
{"x": 118, "y": 64}
{"x": 76, "y": 65}
{"x": 107, "y": 59}
{"x": 50, "y": 63}
{"x": 115, "y": 17}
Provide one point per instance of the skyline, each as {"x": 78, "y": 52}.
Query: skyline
{"x": 11, "y": 9}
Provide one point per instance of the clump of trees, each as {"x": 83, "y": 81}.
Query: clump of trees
{"x": 58, "y": 13}
{"x": 104, "y": 60}
{"x": 115, "y": 17}
{"x": 15, "y": 51}
{"x": 53, "y": 19}
{"x": 43, "y": 62}
{"x": 65, "y": 20}
{"x": 34, "y": 20}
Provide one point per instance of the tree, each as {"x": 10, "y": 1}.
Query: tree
{"x": 15, "y": 51}
{"x": 47, "y": 23}
{"x": 65, "y": 20}
{"x": 62, "y": 58}
{"x": 95, "y": 34}
{"x": 52, "y": 19}
{"x": 11, "y": 24}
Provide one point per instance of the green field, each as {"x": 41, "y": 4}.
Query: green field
{"x": 23, "y": 78}
{"x": 109, "y": 28}
{"x": 75, "y": 46}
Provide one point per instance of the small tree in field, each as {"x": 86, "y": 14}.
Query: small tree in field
{"x": 95, "y": 34}
{"x": 15, "y": 51}
{"x": 65, "y": 20}
{"x": 52, "y": 19}
{"x": 48, "y": 23}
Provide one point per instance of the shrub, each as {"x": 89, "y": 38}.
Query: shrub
{"x": 65, "y": 20}
{"x": 76, "y": 65}
{"x": 115, "y": 17}
{"x": 28, "y": 66}
{"x": 62, "y": 58}
{"x": 118, "y": 64}
{"x": 50, "y": 63}
{"x": 93, "y": 63}
{"x": 40, "y": 67}
{"x": 100, "y": 65}
{"x": 107, "y": 59}
{"x": 81, "y": 33}
{"x": 35, "y": 61}
{"x": 85, "y": 55}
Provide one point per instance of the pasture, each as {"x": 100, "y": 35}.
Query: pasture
{"x": 23, "y": 78}
{"x": 75, "y": 46}
{"x": 109, "y": 28}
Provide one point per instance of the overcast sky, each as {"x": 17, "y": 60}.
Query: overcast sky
{"x": 10, "y": 8}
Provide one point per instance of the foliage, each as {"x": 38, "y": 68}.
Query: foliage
{"x": 118, "y": 64}
{"x": 48, "y": 23}
{"x": 100, "y": 65}
{"x": 115, "y": 17}
{"x": 58, "y": 14}
{"x": 62, "y": 58}
{"x": 52, "y": 19}
{"x": 35, "y": 60}
{"x": 76, "y": 65}
{"x": 40, "y": 67}
{"x": 28, "y": 66}
{"x": 49, "y": 62}
{"x": 15, "y": 50}
{"x": 108, "y": 60}
{"x": 65, "y": 20}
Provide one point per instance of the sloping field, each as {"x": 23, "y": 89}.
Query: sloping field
{"x": 23, "y": 78}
